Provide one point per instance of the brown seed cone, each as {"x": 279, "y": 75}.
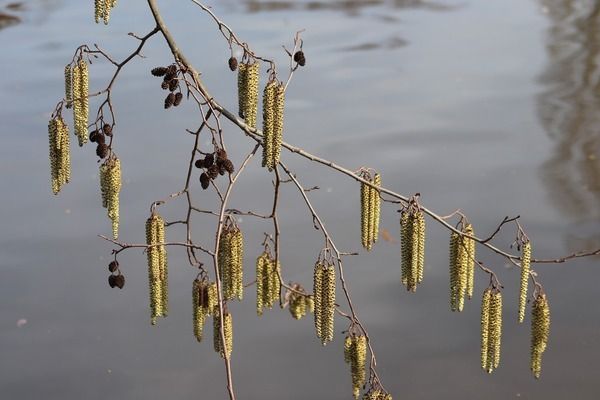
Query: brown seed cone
{"x": 204, "y": 180}
{"x": 158, "y": 71}
{"x": 178, "y": 98}
{"x": 300, "y": 58}
{"x": 169, "y": 100}
{"x": 233, "y": 63}
{"x": 173, "y": 84}
{"x": 102, "y": 150}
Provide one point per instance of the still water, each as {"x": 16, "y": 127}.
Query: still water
{"x": 488, "y": 106}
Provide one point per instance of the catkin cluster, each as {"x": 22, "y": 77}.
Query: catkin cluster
{"x": 227, "y": 322}
{"x": 248, "y": 77}
{"x": 231, "y": 254}
{"x": 525, "y": 264}
{"x": 102, "y": 10}
{"x": 273, "y": 110}
{"x": 268, "y": 285}
{"x": 491, "y": 329}
{"x": 300, "y": 305}
{"x": 412, "y": 247}
{"x": 355, "y": 354}
{"x": 110, "y": 187}
{"x": 157, "y": 267}
{"x": 324, "y": 292}
{"x": 377, "y": 394}
{"x": 205, "y": 298}
{"x": 462, "y": 267}
{"x": 370, "y": 209}
{"x": 540, "y": 330}
{"x": 80, "y": 91}
{"x": 60, "y": 153}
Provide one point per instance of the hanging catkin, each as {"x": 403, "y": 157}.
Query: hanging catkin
{"x": 80, "y": 100}
{"x": 525, "y": 264}
{"x": 375, "y": 204}
{"x": 540, "y": 330}
{"x": 227, "y": 322}
{"x": 231, "y": 252}
{"x": 68, "y": 86}
{"x": 279, "y": 110}
{"x": 365, "y": 217}
{"x": 268, "y": 121}
{"x": 102, "y": 10}
{"x": 462, "y": 267}
{"x": 324, "y": 292}
{"x": 470, "y": 254}
{"x": 494, "y": 331}
{"x": 261, "y": 264}
{"x": 485, "y": 324}
{"x": 110, "y": 187}
{"x": 157, "y": 267}
{"x": 370, "y": 205}
{"x": 199, "y": 290}
{"x": 412, "y": 247}
{"x": 59, "y": 153}
{"x": 248, "y": 80}
{"x": 355, "y": 354}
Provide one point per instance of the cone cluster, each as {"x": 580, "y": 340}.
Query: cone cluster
{"x": 273, "y": 110}
{"x": 525, "y": 265}
{"x": 540, "y": 330}
{"x": 370, "y": 209}
{"x": 412, "y": 247}
{"x": 355, "y": 354}
{"x": 301, "y": 304}
{"x": 268, "y": 284}
{"x": 227, "y": 322}
{"x": 231, "y": 254}
{"x": 110, "y": 187}
{"x": 102, "y": 10}
{"x": 248, "y": 77}
{"x": 205, "y": 298}
{"x": 491, "y": 329}
{"x": 324, "y": 292}
{"x": 157, "y": 267}
{"x": 59, "y": 152}
{"x": 462, "y": 267}
{"x": 80, "y": 92}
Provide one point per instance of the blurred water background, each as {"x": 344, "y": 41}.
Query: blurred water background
{"x": 487, "y": 106}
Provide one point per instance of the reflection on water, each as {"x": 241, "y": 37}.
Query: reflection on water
{"x": 569, "y": 107}
{"x": 348, "y": 6}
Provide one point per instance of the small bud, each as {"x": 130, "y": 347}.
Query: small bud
{"x": 300, "y": 58}
{"x": 169, "y": 100}
{"x": 120, "y": 281}
{"x": 107, "y": 129}
{"x": 199, "y": 163}
{"x": 158, "y": 71}
{"x": 102, "y": 150}
{"x": 204, "y": 180}
{"x": 112, "y": 267}
{"x": 178, "y": 98}
{"x": 233, "y": 63}
{"x": 111, "y": 281}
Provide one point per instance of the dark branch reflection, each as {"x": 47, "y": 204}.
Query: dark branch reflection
{"x": 569, "y": 109}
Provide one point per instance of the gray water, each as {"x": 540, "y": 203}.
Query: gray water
{"x": 487, "y": 106}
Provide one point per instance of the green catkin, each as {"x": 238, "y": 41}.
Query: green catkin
{"x": 227, "y": 333}
{"x": 157, "y": 267}
{"x": 242, "y": 88}
{"x": 248, "y": 81}
{"x": 238, "y": 257}
{"x": 80, "y": 100}
{"x": 485, "y": 321}
{"x": 540, "y": 330}
{"x": 470, "y": 251}
{"x": 421, "y": 247}
{"x": 365, "y": 216}
{"x": 405, "y": 247}
{"x": 298, "y": 306}
{"x": 68, "y": 86}
{"x": 318, "y": 282}
{"x": 414, "y": 262}
{"x": 328, "y": 312}
{"x": 525, "y": 265}
{"x": 225, "y": 264}
{"x": 231, "y": 252}
{"x": 462, "y": 268}
{"x": 213, "y": 299}
{"x": 268, "y": 120}
{"x": 99, "y": 10}
{"x": 279, "y": 111}
{"x": 110, "y": 187}
{"x": 374, "y": 210}
{"x": 355, "y": 354}
{"x": 59, "y": 153}
{"x": 494, "y": 332}
{"x": 198, "y": 310}
{"x": 260, "y": 286}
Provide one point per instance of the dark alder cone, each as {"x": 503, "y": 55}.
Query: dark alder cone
{"x": 199, "y": 163}
{"x": 172, "y": 69}
{"x": 169, "y": 100}
{"x": 221, "y": 170}
{"x": 112, "y": 267}
{"x": 221, "y": 154}
{"x": 158, "y": 71}
{"x": 102, "y": 150}
{"x": 228, "y": 166}
{"x": 164, "y": 85}
{"x": 100, "y": 138}
{"x": 107, "y": 129}
{"x": 299, "y": 58}
{"x": 111, "y": 281}
{"x": 213, "y": 171}
{"x": 173, "y": 83}
{"x": 204, "y": 180}
{"x": 233, "y": 62}
{"x": 209, "y": 160}
{"x": 120, "y": 281}
{"x": 178, "y": 98}
{"x": 169, "y": 77}
{"x": 93, "y": 136}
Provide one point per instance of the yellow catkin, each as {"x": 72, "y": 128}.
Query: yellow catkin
{"x": 157, "y": 267}
{"x": 68, "y": 86}
{"x": 421, "y": 246}
{"x": 213, "y": 298}
{"x": 405, "y": 247}
{"x": 375, "y": 209}
{"x": 540, "y": 330}
{"x": 231, "y": 252}
{"x": 310, "y": 303}
{"x": 348, "y": 343}
{"x": 328, "y": 304}
{"x": 242, "y": 88}
{"x": 227, "y": 333}
{"x": 238, "y": 267}
{"x": 59, "y": 153}
{"x": 260, "y": 287}
{"x": 454, "y": 269}
{"x": 365, "y": 217}
{"x": 110, "y": 187}
{"x": 298, "y": 306}
{"x": 470, "y": 254}
{"x": 279, "y": 110}
{"x": 99, "y": 10}
{"x": 494, "y": 331}
{"x": 355, "y": 353}
{"x": 318, "y": 293}
{"x": 268, "y": 120}
{"x": 198, "y": 310}
{"x": 485, "y": 321}
{"x": 225, "y": 270}
{"x": 80, "y": 100}
{"x": 525, "y": 264}
{"x": 248, "y": 81}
